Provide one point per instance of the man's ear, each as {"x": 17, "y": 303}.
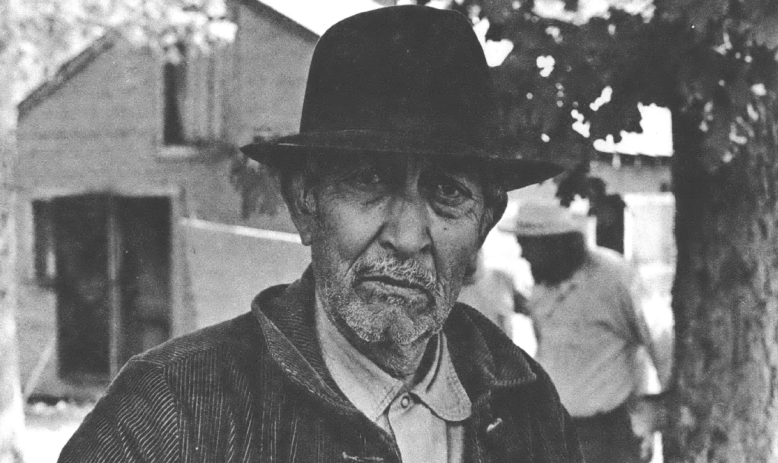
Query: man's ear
{"x": 491, "y": 218}
{"x": 299, "y": 197}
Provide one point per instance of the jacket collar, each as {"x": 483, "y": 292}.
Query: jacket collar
{"x": 484, "y": 359}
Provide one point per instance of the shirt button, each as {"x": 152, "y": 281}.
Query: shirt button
{"x": 405, "y": 401}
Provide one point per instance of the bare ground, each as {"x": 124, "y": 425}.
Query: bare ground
{"x": 48, "y": 426}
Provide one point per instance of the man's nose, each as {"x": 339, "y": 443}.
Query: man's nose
{"x": 407, "y": 227}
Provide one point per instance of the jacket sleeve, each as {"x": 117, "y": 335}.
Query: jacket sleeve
{"x": 657, "y": 339}
{"x": 564, "y": 422}
{"x": 571, "y": 439}
{"x": 136, "y": 421}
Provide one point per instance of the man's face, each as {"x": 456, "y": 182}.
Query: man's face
{"x": 392, "y": 239}
{"x": 552, "y": 258}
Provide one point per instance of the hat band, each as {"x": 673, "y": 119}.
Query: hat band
{"x": 414, "y": 124}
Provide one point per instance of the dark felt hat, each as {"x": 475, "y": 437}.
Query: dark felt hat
{"x": 404, "y": 79}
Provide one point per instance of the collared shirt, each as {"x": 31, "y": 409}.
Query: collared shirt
{"x": 425, "y": 420}
{"x": 590, "y": 329}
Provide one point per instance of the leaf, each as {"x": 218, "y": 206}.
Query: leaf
{"x": 620, "y": 114}
{"x": 765, "y": 31}
{"x": 571, "y": 5}
{"x": 716, "y": 150}
{"x": 764, "y": 67}
{"x": 514, "y": 75}
{"x": 739, "y": 92}
{"x": 698, "y": 14}
{"x": 526, "y": 35}
{"x": 568, "y": 148}
{"x": 255, "y": 185}
{"x": 699, "y": 74}
{"x": 498, "y": 11}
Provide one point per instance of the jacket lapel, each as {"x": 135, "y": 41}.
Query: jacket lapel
{"x": 286, "y": 316}
{"x": 493, "y": 371}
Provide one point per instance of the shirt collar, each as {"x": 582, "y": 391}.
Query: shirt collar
{"x": 371, "y": 389}
{"x": 440, "y": 389}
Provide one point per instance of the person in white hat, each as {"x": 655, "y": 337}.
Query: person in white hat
{"x": 590, "y": 328}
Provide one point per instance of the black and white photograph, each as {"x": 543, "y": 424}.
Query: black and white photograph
{"x": 388, "y": 231}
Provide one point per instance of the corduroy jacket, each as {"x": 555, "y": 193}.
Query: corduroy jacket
{"x": 255, "y": 389}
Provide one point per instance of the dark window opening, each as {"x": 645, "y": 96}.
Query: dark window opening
{"x": 44, "y": 265}
{"x": 144, "y": 226}
{"x": 112, "y": 258}
{"x": 174, "y": 76}
{"x": 83, "y": 286}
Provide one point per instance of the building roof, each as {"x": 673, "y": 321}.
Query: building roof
{"x": 315, "y": 16}
{"x": 71, "y": 67}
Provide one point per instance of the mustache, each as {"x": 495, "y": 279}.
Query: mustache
{"x": 409, "y": 272}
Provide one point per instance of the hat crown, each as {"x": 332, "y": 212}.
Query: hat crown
{"x": 546, "y": 218}
{"x": 400, "y": 69}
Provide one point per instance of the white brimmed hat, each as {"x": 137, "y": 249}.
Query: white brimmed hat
{"x": 540, "y": 218}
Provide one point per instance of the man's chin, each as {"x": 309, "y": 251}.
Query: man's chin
{"x": 392, "y": 323}
{"x": 394, "y": 335}
{"x": 380, "y": 315}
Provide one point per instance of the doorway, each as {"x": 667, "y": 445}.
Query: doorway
{"x": 111, "y": 274}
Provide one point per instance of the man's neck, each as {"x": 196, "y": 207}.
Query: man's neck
{"x": 408, "y": 364}
{"x": 402, "y": 362}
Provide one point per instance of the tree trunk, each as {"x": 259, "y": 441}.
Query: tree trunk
{"x": 11, "y": 408}
{"x": 725, "y": 299}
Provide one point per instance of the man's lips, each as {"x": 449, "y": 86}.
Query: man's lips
{"x": 390, "y": 281}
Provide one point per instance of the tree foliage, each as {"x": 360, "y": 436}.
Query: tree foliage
{"x": 706, "y": 59}
{"x": 37, "y": 35}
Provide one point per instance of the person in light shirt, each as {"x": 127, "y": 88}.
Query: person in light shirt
{"x": 591, "y": 329}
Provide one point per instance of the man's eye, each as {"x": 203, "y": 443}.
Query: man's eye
{"x": 449, "y": 192}
{"x": 368, "y": 177}
{"x": 449, "y": 189}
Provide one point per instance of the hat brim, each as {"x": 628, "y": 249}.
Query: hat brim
{"x": 577, "y": 224}
{"x": 521, "y": 230}
{"x": 514, "y": 172}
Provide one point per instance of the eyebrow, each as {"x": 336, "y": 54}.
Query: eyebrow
{"x": 461, "y": 168}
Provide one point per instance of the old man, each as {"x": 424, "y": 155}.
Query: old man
{"x": 366, "y": 358}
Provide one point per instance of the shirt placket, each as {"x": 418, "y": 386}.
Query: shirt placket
{"x": 420, "y": 436}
